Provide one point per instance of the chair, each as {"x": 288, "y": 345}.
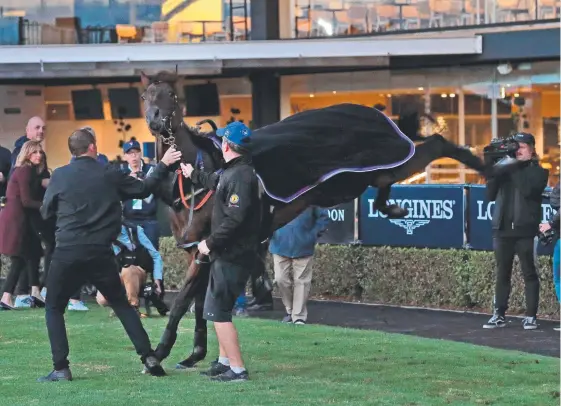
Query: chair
{"x": 126, "y": 33}
{"x": 509, "y": 10}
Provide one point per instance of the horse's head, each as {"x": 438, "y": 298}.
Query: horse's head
{"x": 162, "y": 111}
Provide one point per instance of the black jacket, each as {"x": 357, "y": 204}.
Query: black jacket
{"x": 236, "y": 215}
{"x": 86, "y": 199}
{"x": 554, "y": 202}
{"x": 518, "y": 199}
{"x": 5, "y": 168}
{"x": 149, "y": 206}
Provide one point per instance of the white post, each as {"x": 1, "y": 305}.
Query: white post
{"x": 461, "y": 129}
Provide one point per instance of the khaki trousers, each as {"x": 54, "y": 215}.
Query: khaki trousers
{"x": 133, "y": 277}
{"x": 295, "y": 288}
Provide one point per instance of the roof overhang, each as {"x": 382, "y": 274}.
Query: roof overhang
{"x": 50, "y": 61}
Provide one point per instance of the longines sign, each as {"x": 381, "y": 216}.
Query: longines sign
{"x": 341, "y": 227}
{"x": 480, "y": 232}
{"x": 435, "y": 219}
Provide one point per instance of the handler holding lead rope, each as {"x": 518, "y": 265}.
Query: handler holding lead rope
{"x": 232, "y": 245}
{"x": 85, "y": 198}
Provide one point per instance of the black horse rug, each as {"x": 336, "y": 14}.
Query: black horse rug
{"x": 300, "y": 152}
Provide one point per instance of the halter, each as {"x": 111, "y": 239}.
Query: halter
{"x": 199, "y": 164}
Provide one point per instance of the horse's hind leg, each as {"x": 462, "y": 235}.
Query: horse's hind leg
{"x": 200, "y": 338}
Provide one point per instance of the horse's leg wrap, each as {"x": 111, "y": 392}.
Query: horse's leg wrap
{"x": 179, "y": 308}
{"x": 200, "y": 338}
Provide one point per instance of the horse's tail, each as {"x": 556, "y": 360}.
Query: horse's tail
{"x": 409, "y": 124}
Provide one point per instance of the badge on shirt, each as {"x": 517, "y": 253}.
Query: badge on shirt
{"x": 234, "y": 200}
{"x": 137, "y": 204}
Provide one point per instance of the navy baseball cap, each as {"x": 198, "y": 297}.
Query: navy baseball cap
{"x": 235, "y": 132}
{"x": 526, "y": 138}
{"x": 131, "y": 145}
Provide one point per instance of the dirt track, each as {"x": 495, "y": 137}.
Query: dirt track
{"x": 464, "y": 327}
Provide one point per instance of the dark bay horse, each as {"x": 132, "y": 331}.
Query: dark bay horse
{"x": 190, "y": 207}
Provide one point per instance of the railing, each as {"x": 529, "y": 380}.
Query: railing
{"x": 320, "y": 18}
{"x": 309, "y": 18}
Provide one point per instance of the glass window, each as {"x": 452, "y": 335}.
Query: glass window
{"x": 468, "y": 106}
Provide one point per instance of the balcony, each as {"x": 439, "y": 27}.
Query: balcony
{"x": 324, "y": 18}
{"x": 33, "y": 22}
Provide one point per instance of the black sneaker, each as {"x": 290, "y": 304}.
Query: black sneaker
{"x": 530, "y": 323}
{"x": 216, "y": 368}
{"x": 496, "y": 321}
{"x": 55, "y": 376}
{"x": 231, "y": 376}
{"x": 299, "y": 321}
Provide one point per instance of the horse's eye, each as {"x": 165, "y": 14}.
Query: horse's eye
{"x": 143, "y": 97}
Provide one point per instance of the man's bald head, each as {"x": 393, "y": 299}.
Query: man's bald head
{"x": 35, "y": 129}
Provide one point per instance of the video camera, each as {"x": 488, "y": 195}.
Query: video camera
{"x": 547, "y": 237}
{"x": 500, "y": 148}
{"x": 151, "y": 297}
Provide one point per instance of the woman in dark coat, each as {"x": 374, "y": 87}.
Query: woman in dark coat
{"x": 16, "y": 236}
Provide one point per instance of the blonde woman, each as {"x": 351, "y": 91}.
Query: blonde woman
{"x": 16, "y": 235}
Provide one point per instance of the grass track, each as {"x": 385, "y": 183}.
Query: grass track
{"x": 288, "y": 365}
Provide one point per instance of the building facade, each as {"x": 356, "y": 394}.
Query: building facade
{"x": 481, "y": 68}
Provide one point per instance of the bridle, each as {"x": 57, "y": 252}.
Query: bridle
{"x": 199, "y": 164}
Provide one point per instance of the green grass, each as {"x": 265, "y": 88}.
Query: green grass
{"x": 288, "y": 365}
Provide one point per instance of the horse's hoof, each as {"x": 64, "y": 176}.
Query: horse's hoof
{"x": 396, "y": 212}
{"x": 188, "y": 363}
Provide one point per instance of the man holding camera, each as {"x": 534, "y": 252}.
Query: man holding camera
{"x": 517, "y": 193}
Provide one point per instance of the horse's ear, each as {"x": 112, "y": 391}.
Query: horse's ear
{"x": 144, "y": 79}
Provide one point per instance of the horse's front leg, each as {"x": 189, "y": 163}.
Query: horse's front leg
{"x": 381, "y": 203}
{"x": 179, "y": 308}
{"x": 200, "y": 338}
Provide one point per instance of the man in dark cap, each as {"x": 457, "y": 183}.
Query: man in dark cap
{"x": 232, "y": 245}
{"x": 141, "y": 212}
{"x": 516, "y": 217}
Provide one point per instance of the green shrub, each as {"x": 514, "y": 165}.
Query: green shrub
{"x": 453, "y": 279}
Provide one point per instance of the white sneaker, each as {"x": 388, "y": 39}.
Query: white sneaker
{"x": 79, "y": 307}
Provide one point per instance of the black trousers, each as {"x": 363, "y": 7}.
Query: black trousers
{"x": 505, "y": 248}
{"x": 19, "y": 267}
{"x": 71, "y": 267}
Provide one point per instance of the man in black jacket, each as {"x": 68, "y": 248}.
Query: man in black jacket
{"x": 232, "y": 245}
{"x": 85, "y": 198}
{"x": 516, "y": 218}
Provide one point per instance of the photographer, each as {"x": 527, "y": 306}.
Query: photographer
{"x": 553, "y": 224}
{"x": 517, "y": 193}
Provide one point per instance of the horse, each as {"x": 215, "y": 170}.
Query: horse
{"x": 190, "y": 208}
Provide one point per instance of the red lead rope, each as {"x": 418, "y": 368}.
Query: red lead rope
{"x": 184, "y": 198}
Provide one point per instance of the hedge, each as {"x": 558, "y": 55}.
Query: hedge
{"x": 440, "y": 278}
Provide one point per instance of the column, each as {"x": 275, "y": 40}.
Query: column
{"x": 533, "y": 110}
{"x": 461, "y": 128}
{"x": 285, "y": 88}
{"x": 286, "y": 18}
{"x": 265, "y": 19}
{"x": 265, "y": 98}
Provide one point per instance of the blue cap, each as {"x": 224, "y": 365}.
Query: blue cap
{"x": 235, "y": 132}
{"x": 131, "y": 145}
